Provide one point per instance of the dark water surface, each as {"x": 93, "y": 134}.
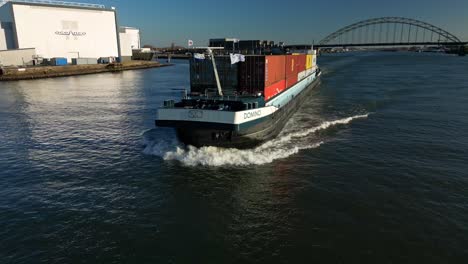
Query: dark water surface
{"x": 373, "y": 169}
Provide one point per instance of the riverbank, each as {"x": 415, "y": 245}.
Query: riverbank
{"x": 39, "y": 72}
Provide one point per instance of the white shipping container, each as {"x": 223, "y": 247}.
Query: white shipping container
{"x": 91, "y": 60}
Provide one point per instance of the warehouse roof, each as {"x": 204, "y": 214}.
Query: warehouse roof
{"x": 56, "y": 4}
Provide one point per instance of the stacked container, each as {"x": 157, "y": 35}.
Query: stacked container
{"x": 262, "y": 74}
{"x": 266, "y": 74}
{"x": 252, "y": 75}
{"x": 270, "y": 74}
{"x": 295, "y": 66}
{"x": 202, "y": 75}
{"x": 275, "y": 75}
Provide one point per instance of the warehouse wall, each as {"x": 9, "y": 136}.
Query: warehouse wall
{"x": 134, "y": 37}
{"x": 125, "y": 45}
{"x": 17, "y": 57}
{"x": 66, "y": 32}
{"x": 129, "y": 40}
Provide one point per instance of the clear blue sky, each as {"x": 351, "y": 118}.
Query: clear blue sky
{"x": 292, "y": 21}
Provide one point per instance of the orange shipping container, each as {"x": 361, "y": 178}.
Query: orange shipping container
{"x": 274, "y": 89}
{"x": 271, "y": 74}
{"x": 290, "y": 65}
{"x": 301, "y": 61}
{"x": 290, "y": 81}
{"x": 295, "y": 64}
{"x": 275, "y": 70}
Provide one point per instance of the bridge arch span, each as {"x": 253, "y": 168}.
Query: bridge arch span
{"x": 369, "y": 23}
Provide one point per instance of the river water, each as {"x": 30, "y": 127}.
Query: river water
{"x": 372, "y": 169}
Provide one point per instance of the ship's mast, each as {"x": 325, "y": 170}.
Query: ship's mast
{"x": 215, "y": 69}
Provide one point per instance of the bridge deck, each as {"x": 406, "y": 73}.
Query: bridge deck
{"x": 392, "y": 44}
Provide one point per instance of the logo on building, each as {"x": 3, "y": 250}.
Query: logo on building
{"x": 70, "y": 33}
{"x": 70, "y": 29}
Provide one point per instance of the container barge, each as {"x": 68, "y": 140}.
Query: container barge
{"x": 242, "y": 99}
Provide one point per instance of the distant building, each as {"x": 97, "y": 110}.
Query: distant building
{"x": 63, "y": 29}
{"x": 229, "y": 44}
{"x": 133, "y": 34}
{"x": 129, "y": 41}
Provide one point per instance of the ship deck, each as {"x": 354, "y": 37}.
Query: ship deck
{"x": 220, "y": 103}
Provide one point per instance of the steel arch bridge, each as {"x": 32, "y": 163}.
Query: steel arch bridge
{"x": 390, "y": 31}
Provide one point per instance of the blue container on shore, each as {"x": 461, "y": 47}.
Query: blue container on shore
{"x": 59, "y": 61}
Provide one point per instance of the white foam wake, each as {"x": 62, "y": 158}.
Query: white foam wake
{"x": 287, "y": 144}
{"x": 300, "y": 134}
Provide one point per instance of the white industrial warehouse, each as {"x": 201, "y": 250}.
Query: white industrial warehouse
{"x": 36, "y": 29}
